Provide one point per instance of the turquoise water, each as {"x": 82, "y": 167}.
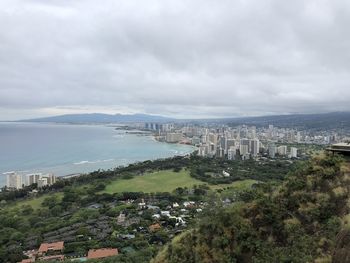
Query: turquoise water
{"x": 65, "y": 149}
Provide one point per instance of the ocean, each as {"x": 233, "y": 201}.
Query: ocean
{"x": 65, "y": 149}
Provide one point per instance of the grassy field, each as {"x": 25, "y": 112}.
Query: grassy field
{"x": 162, "y": 181}
{"x": 35, "y": 203}
{"x": 165, "y": 181}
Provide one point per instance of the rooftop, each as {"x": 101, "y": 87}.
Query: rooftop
{"x": 28, "y": 260}
{"x": 102, "y": 253}
{"x": 44, "y": 247}
{"x": 342, "y": 148}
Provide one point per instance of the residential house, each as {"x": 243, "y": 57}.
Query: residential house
{"x": 102, "y": 253}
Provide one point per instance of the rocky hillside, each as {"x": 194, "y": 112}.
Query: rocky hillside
{"x": 305, "y": 219}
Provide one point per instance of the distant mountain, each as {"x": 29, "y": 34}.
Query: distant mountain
{"x": 334, "y": 120}
{"x": 322, "y": 121}
{"x": 101, "y": 118}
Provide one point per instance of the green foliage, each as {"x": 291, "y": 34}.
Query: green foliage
{"x": 210, "y": 170}
{"x": 296, "y": 222}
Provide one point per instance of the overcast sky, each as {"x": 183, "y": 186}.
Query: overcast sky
{"x": 175, "y": 58}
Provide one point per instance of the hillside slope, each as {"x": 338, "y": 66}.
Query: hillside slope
{"x": 301, "y": 221}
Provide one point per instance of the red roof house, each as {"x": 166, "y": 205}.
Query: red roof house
{"x": 102, "y": 253}
{"x": 51, "y": 247}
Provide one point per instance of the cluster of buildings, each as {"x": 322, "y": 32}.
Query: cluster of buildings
{"x": 131, "y": 223}
{"x": 242, "y": 142}
{"x": 16, "y": 180}
{"x": 48, "y": 252}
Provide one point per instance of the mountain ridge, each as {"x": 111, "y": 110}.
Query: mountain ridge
{"x": 101, "y": 118}
{"x": 331, "y": 120}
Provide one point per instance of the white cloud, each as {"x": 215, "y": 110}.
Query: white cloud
{"x": 180, "y": 58}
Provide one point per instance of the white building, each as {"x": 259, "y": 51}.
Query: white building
{"x": 40, "y": 179}
{"x": 33, "y": 178}
{"x": 293, "y": 152}
{"x": 243, "y": 149}
{"x": 231, "y": 153}
{"x": 14, "y": 180}
{"x": 173, "y": 137}
{"x": 282, "y": 150}
{"x": 42, "y": 182}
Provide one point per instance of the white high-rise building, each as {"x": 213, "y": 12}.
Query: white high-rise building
{"x": 293, "y": 152}
{"x": 231, "y": 153}
{"x": 245, "y": 142}
{"x": 282, "y": 150}
{"x": 42, "y": 182}
{"x": 40, "y": 179}
{"x": 203, "y": 150}
{"x": 243, "y": 149}
{"x": 33, "y": 178}
{"x": 14, "y": 180}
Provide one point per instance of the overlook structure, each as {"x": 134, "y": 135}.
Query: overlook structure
{"x": 341, "y": 148}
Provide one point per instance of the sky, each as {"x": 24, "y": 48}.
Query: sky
{"x": 179, "y": 58}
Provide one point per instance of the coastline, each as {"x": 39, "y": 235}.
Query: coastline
{"x": 67, "y": 164}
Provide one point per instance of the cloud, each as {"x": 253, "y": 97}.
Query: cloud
{"x": 179, "y": 58}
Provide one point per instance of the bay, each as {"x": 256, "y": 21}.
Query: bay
{"x": 65, "y": 149}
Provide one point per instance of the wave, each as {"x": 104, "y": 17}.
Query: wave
{"x": 92, "y": 162}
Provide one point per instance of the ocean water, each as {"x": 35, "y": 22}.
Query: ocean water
{"x": 65, "y": 149}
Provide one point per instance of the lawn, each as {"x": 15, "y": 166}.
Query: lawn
{"x": 35, "y": 203}
{"x": 162, "y": 181}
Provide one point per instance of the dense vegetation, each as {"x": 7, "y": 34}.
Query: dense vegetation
{"x": 296, "y": 222}
{"x": 175, "y": 163}
{"x": 204, "y": 169}
{"x": 210, "y": 169}
{"x": 293, "y": 219}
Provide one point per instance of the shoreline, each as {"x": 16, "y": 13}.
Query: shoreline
{"x": 69, "y": 170}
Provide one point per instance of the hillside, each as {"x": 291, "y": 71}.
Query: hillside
{"x": 303, "y": 220}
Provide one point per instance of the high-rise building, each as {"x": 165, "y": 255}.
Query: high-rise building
{"x": 231, "y": 153}
{"x": 33, "y": 178}
{"x": 222, "y": 142}
{"x": 51, "y": 178}
{"x": 282, "y": 150}
{"x": 41, "y": 179}
{"x": 173, "y": 137}
{"x": 254, "y": 147}
{"x": 230, "y": 143}
{"x": 243, "y": 149}
{"x": 272, "y": 150}
{"x": 245, "y": 142}
{"x": 203, "y": 150}
{"x": 14, "y": 180}
{"x": 42, "y": 182}
{"x": 213, "y": 138}
{"x": 293, "y": 152}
